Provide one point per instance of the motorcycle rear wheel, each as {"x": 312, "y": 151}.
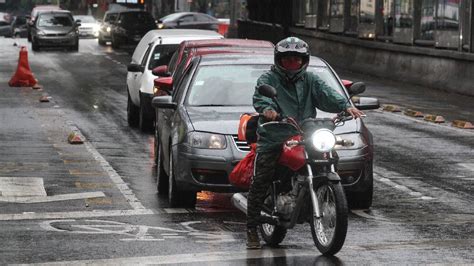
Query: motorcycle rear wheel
{"x": 329, "y": 231}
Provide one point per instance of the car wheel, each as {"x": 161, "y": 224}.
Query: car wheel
{"x": 132, "y": 112}
{"x": 34, "y": 45}
{"x": 75, "y": 47}
{"x": 363, "y": 199}
{"x": 177, "y": 197}
{"x": 115, "y": 43}
{"x": 162, "y": 178}
{"x": 145, "y": 121}
{"x": 101, "y": 41}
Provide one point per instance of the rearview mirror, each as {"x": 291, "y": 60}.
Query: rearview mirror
{"x": 347, "y": 83}
{"x": 366, "y": 103}
{"x": 161, "y": 71}
{"x": 164, "y": 102}
{"x": 356, "y": 88}
{"x": 267, "y": 91}
{"x": 134, "y": 68}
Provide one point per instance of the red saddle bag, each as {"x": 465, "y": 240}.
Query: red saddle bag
{"x": 242, "y": 174}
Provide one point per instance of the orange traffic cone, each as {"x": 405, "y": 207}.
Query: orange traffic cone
{"x": 23, "y": 76}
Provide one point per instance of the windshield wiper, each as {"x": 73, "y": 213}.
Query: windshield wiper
{"x": 209, "y": 105}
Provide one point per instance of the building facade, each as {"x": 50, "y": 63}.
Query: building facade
{"x": 444, "y": 24}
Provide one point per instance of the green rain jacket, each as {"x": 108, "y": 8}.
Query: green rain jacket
{"x": 298, "y": 99}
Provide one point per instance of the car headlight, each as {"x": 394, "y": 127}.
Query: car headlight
{"x": 323, "y": 140}
{"x": 206, "y": 140}
{"x": 356, "y": 138}
{"x": 40, "y": 33}
{"x": 108, "y": 29}
{"x": 161, "y": 25}
{"x": 96, "y": 28}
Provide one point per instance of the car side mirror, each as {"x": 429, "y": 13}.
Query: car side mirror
{"x": 267, "y": 91}
{"x": 161, "y": 71}
{"x": 366, "y": 103}
{"x": 135, "y": 68}
{"x": 356, "y": 88}
{"x": 164, "y": 102}
{"x": 163, "y": 84}
{"x": 78, "y": 23}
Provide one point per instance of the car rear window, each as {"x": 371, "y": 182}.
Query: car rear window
{"x": 54, "y": 20}
{"x": 162, "y": 55}
{"x": 234, "y": 85}
{"x": 136, "y": 18}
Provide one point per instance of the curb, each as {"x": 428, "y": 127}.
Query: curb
{"x": 434, "y": 118}
{"x": 462, "y": 124}
{"x": 413, "y": 113}
{"x": 391, "y": 108}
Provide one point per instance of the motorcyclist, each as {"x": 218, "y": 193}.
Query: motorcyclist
{"x": 299, "y": 94}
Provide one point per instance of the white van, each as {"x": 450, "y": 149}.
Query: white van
{"x": 154, "y": 49}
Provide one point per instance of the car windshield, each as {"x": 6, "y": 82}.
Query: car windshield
{"x": 234, "y": 85}
{"x": 85, "y": 19}
{"x": 162, "y": 55}
{"x": 54, "y": 20}
{"x": 136, "y": 18}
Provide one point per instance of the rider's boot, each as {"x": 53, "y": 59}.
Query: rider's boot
{"x": 253, "y": 240}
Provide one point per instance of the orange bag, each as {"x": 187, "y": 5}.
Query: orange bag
{"x": 248, "y": 127}
{"x": 242, "y": 174}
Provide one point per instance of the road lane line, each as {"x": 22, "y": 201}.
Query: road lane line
{"x": 72, "y": 214}
{"x": 115, "y": 177}
{"x": 62, "y": 197}
{"x": 195, "y": 257}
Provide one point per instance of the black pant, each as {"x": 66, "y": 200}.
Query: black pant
{"x": 265, "y": 165}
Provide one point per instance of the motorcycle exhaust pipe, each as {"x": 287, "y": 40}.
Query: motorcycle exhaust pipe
{"x": 240, "y": 202}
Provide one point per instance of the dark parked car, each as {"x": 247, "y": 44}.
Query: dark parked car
{"x": 106, "y": 27}
{"x": 197, "y": 127}
{"x": 19, "y": 27}
{"x": 130, "y": 26}
{"x": 188, "y": 20}
{"x": 5, "y": 28}
{"x": 55, "y": 28}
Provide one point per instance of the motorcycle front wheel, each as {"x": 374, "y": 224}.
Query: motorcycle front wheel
{"x": 329, "y": 231}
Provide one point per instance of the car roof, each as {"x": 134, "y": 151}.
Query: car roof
{"x": 227, "y": 42}
{"x": 54, "y": 12}
{"x": 249, "y": 58}
{"x": 176, "y": 36}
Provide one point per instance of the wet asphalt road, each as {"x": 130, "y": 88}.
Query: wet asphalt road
{"x": 102, "y": 205}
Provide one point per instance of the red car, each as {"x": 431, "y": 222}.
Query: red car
{"x": 189, "y": 49}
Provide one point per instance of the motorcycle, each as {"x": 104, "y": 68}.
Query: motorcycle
{"x": 306, "y": 187}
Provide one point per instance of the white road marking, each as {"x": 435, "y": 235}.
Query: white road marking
{"x": 21, "y": 187}
{"x": 63, "y": 197}
{"x": 194, "y": 257}
{"x": 71, "y": 214}
{"x": 469, "y": 166}
{"x": 386, "y": 179}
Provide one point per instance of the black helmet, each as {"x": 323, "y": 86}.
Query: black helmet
{"x": 292, "y": 46}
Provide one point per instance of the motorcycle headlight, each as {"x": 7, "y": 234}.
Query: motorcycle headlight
{"x": 356, "y": 138}
{"x": 323, "y": 140}
{"x": 206, "y": 140}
